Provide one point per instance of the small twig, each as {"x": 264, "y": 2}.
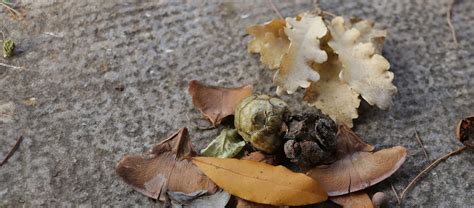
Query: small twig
{"x": 396, "y": 194}
{"x": 11, "y": 66}
{"x": 12, "y": 150}
{"x": 427, "y": 169}
{"x": 326, "y": 13}
{"x": 421, "y": 144}
{"x": 321, "y": 12}
{"x": 275, "y": 9}
{"x": 9, "y": 8}
{"x": 54, "y": 34}
{"x": 317, "y": 8}
{"x": 450, "y": 24}
{"x": 203, "y": 127}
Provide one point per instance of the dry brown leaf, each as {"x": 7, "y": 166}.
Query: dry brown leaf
{"x": 304, "y": 32}
{"x": 332, "y": 96}
{"x": 198, "y": 199}
{"x": 261, "y": 183}
{"x": 217, "y": 102}
{"x": 348, "y": 142}
{"x": 270, "y": 41}
{"x": 358, "y": 199}
{"x": 357, "y": 167}
{"x": 365, "y": 71}
{"x": 163, "y": 169}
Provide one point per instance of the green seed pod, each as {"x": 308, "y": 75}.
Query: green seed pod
{"x": 8, "y": 48}
{"x": 260, "y": 120}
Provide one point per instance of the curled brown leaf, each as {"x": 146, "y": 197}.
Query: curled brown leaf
{"x": 164, "y": 169}
{"x": 357, "y": 166}
{"x": 217, "y": 102}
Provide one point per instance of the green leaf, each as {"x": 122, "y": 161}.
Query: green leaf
{"x": 226, "y": 145}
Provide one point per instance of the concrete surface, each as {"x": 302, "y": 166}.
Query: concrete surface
{"x": 76, "y": 52}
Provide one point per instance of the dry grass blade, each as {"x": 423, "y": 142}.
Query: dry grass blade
{"x": 430, "y": 167}
{"x": 450, "y": 24}
{"x": 11, "y": 9}
{"x": 421, "y": 144}
{"x": 11, "y": 66}
{"x": 275, "y": 8}
{"x": 12, "y": 150}
{"x": 396, "y": 194}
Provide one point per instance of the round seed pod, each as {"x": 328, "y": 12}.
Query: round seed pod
{"x": 260, "y": 120}
{"x": 379, "y": 200}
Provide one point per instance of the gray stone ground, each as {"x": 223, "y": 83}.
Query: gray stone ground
{"x": 76, "y": 52}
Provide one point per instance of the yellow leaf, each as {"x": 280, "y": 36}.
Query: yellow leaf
{"x": 332, "y": 96}
{"x": 261, "y": 183}
{"x": 304, "y": 32}
{"x": 270, "y": 41}
{"x": 358, "y": 199}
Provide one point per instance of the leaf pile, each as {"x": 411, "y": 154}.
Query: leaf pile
{"x": 172, "y": 170}
{"x": 336, "y": 61}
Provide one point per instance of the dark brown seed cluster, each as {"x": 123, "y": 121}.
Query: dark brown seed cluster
{"x": 311, "y": 139}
